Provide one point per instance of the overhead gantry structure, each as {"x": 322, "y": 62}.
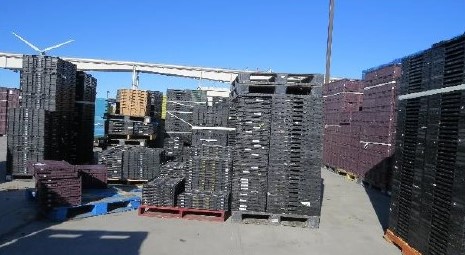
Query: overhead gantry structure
{"x": 14, "y": 61}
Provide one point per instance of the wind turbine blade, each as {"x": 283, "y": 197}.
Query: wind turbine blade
{"x": 58, "y": 45}
{"x": 26, "y": 42}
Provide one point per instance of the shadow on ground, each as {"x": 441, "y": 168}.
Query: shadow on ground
{"x": 2, "y": 171}
{"x": 381, "y": 205}
{"x": 378, "y": 181}
{"x": 52, "y": 241}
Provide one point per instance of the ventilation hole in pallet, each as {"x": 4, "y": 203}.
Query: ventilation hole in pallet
{"x": 297, "y": 90}
{"x": 255, "y": 216}
{"x": 292, "y": 219}
{"x": 262, "y": 89}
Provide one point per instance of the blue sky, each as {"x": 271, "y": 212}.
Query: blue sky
{"x": 286, "y": 36}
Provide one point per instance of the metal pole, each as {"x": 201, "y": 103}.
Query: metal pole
{"x": 330, "y": 41}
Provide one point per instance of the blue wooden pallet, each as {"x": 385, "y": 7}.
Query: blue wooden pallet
{"x": 97, "y": 202}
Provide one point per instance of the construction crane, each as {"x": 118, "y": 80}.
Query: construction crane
{"x": 329, "y": 41}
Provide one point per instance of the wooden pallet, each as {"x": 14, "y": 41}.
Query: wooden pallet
{"x": 405, "y": 248}
{"x": 350, "y": 176}
{"x": 264, "y": 218}
{"x": 183, "y": 213}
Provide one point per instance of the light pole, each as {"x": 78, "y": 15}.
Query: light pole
{"x": 329, "y": 41}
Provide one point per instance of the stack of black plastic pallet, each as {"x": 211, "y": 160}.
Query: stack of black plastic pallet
{"x": 294, "y": 171}
{"x": 116, "y": 126}
{"x": 156, "y": 98}
{"x": 211, "y": 137}
{"x": 9, "y": 99}
{"x": 27, "y": 134}
{"x": 84, "y": 119}
{"x": 428, "y": 192}
{"x": 179, "y": 113}
{"x": 58, "y": 184}
{"x": 47, "y": 89}
{"x": 121, "y": 129}
{"x": 214, "y": 113}
{"x": 140, "y": 128}
{"x": 209, "y": 163}
{"x": 253, "y": 123}
{"x": 93, "y": 176}
{"x": 49, "y": 83}
{"x": 173, "y": 169}
{"x": 277, "y": 158}
{"x": 112, "y": 158}
{"x": 48, "y": 111}
{"x": 174, "y": 148}
{"x": 208, "y": 178}
{"x": 126, "y": 162}
{"x": 141, "y": 163}
{"x": 164, "y": 190}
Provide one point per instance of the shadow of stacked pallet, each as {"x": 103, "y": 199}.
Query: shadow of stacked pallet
{"x": 277, "y": 157}
{"x": 9, "y": 98}
{"x": 428, "y": 191}
{"x": 43, "y": 127}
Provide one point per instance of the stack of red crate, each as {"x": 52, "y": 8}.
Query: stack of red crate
{"x": 377, "y": 125}
{"x": 9, "y": 98}
{"x": 342, "y": 102}
{"x": 58, "y": 184}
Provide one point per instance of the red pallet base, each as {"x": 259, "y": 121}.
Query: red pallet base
{"x": 183, "y": 213}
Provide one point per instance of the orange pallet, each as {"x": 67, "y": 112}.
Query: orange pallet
{"x": 404, "y": 247}
{"x": 183, "y": 213}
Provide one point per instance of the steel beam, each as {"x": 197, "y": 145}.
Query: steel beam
{"x": 14, "y": 61}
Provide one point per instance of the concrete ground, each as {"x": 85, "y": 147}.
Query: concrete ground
{"x": 351, "y": 223}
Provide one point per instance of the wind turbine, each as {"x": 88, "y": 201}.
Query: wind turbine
{"x": 44, "y": 51}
